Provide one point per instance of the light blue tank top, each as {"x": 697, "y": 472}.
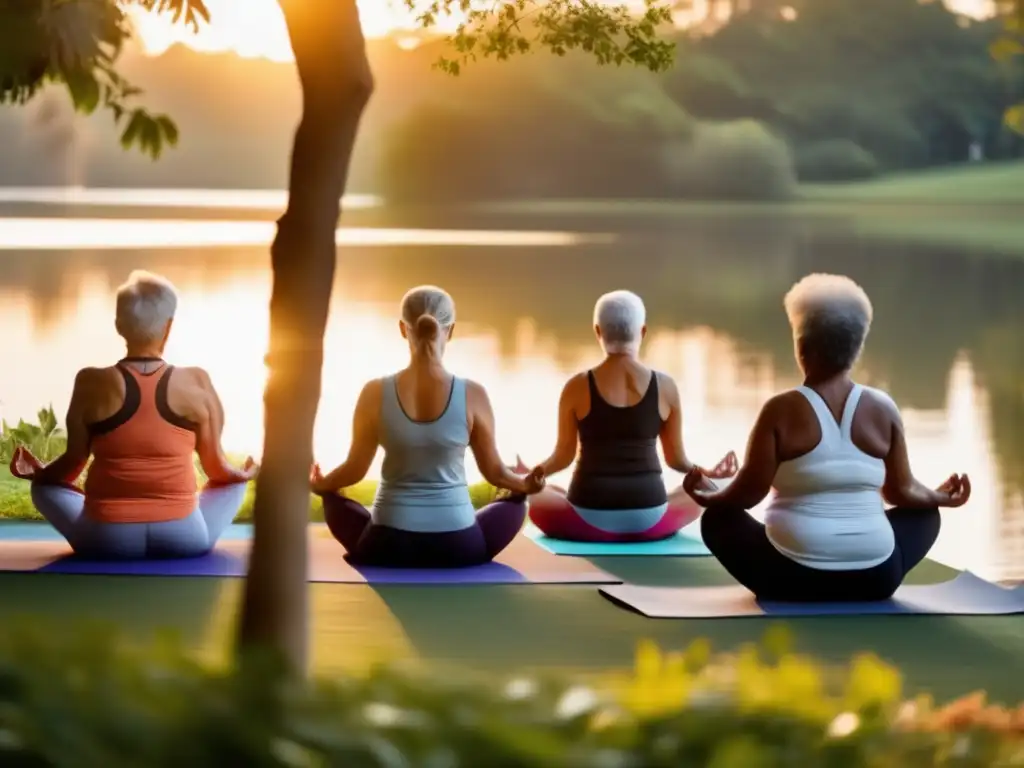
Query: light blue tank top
{"x": 423, "y": 481}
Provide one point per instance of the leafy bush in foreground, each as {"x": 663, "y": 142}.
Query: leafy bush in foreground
{"x": 90, "y": 701}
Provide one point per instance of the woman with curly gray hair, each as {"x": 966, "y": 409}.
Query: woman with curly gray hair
{"x": 834, "y": 452}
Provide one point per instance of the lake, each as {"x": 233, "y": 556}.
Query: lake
{"x": 947, "y": 342}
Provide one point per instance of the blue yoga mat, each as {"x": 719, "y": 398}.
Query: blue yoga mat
{"x": 966, "y": 595}
{"x": 686, "y": 543}
{"x": 30, "y": 548}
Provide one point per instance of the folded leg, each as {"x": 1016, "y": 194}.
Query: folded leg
{"x": 219, "y": 506}
{"x": 61, "y": 507}
{"x": 740, "y": 543}
{"x": 500, "y": 522}
{"x": 346, "y": 519}
{"x": 188, "y": 537}
{"x": 916, "y": 531}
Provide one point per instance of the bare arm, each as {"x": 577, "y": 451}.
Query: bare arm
{"x": 208, "y": 413}
{"x": 67, "y": 467}
{"x": 483, "y": 445}
{"x": 672, "y": 428}
{"x": 568, "y": 430}
{"x": 755, "y": 477}
{"x": 901, "y": 488}
{"x": 365, "y": 440}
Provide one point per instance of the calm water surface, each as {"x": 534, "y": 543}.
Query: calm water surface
{"x": 948, "y": 340}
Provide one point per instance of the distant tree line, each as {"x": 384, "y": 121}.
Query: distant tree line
{"x": 764, "y": 94}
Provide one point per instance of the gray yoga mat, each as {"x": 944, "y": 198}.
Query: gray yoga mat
{"x": 966, "y": 595}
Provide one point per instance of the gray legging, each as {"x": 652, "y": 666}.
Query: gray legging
{"x": 191, "y": 536}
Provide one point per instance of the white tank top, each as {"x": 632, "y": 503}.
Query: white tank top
{"x": 827, "y": 512}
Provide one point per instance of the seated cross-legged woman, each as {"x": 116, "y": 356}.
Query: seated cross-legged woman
{"x": 424, "y": 418}
{"x": 615, "y": 414}
{"x": 140, "y": 420}
{"x": 833, "y": 450}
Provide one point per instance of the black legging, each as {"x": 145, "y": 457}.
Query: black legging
{"x": 741, "y": 545}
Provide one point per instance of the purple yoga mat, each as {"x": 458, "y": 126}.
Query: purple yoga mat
{"x": 522, "y": 563}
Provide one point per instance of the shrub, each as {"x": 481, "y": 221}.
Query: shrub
{"x": 835, "y": 160}
{"x": 88, "y": 700}
{"x": 45, "y": 439}
{"x": 739, "y": 160}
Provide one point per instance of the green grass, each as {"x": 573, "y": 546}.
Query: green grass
{"x": 527, "y": 627}
{"x": 986, "y": 184}
{"x": 16, "y": 501}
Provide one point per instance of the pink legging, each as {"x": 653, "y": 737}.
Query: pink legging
{"x": 556, "y": 517}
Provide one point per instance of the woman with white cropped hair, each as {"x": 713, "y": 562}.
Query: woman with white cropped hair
{"x": 834, "y": 452}
{"x": 615, "y": 414}
{"x": 140, "y": 420}
{"x": 424, "y": 418}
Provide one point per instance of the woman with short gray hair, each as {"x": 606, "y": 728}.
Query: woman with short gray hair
{"x": 614, "y": 415}
{"x": 140, "y": 420}
{"x": 834, "y": 452}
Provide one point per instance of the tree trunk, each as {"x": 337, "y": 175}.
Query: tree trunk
{"x": 330, "y": 55}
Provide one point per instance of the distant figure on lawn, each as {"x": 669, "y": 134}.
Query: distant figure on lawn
{"x": 425, "y": 418}
{"x": 832, "y": 450}
{"x": 615, "y": 414}
{"x": 140, "y": 420}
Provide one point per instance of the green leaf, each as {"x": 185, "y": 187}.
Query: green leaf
{"x": 168, "y": 129}
{"x": 84, "y": 89}
{"x": 47, "y": 420}
{"x": 133, "y": 130}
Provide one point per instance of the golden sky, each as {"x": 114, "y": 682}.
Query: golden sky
{"x": 254, "y": 28}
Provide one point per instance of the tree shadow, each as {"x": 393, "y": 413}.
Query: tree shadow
{"x": 541, "y": 628}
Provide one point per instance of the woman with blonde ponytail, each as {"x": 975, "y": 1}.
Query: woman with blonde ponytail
{"x": 424, "y": 418}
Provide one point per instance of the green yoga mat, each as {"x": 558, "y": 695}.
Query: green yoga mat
{"x": 686, "y": 543}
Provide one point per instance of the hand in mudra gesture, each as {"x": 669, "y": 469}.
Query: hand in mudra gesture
{"x": 727, "y": 467}
{"x": 24, "y": 464}
{"x": 955, "y": 491}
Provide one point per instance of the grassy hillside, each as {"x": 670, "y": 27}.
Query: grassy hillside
{"x": 988, "y": 184}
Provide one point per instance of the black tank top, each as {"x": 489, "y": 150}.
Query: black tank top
{"x": 618, "y": 466}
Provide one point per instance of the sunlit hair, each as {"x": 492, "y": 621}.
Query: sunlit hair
{"x": 145, "y": 304}
{"x": 830, "y": 316}
{"x": 620, "y": 315}
{"x": 428, "y": 312}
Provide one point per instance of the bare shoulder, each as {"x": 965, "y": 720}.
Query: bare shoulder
{"x": 881, "y": 402}
{"x": 89, "y": 380}
{"x": 575, "y": 386}
{"x": 782, "y": 406}
{"x": 476, "y": 394}
{"x": 667, "y": 385}
{"x": 194, "y": 375}
{"x": 372, "y": 392}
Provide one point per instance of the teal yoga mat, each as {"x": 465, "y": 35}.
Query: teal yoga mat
{"x": 686, "y": 543}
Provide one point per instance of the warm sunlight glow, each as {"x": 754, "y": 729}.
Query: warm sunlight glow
{"x": 255, "y": 28}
